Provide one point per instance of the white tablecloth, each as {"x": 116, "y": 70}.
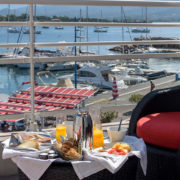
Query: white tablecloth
{"x": 93, "y": 161}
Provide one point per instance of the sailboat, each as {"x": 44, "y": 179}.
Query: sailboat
{"x": 100, "y": 29}
{"x": 12, "y": 30}
{"x": 26, "y": 31}
{"x": 59, "y": 27}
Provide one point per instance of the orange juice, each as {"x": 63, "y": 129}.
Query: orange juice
{"x": 60, "y": 130}
{"x": 98, "y": 140}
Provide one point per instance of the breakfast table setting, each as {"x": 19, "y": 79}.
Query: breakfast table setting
{"x": 82, "y": 144}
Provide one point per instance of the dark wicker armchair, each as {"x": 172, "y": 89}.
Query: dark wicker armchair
{"x": 163, "y": 163}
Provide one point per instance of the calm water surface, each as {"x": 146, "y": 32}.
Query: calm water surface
{"x": 12, "y": 77}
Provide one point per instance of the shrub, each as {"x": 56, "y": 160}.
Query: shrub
{"x": 135, "y": 98}
{"x": 108, "y": 116}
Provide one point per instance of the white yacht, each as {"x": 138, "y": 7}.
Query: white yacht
{"x": 62, "y": 66}
{"x": 129, "y": 80}
{"x": 98, "y": 76}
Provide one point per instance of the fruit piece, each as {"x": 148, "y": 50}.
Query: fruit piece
{"x": 125, "y": 146}
{"x": 126, "y": 151}
{"x": 122, "y": 153}
{"x": 115, "y": 152}
{"x": 116, "y": 146}
{"x": 111, "y": 151}
{"x": 120, "y": 149}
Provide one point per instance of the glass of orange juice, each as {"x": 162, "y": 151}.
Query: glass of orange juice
{"x": 98, "y": 140}
{"x": 60, "y": 127}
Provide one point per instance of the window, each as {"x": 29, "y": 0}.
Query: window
{"x": 86, "y": 74}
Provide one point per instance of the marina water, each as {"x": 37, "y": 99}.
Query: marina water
{"x": 11, "y": 77}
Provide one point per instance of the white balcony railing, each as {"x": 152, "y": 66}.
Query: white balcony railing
{"x": 32, "y": 44}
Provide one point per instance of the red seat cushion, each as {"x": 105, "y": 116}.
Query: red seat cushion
{"x": 161, "y": 129}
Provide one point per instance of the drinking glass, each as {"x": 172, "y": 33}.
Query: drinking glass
{"x": 60, "y": 127}
{"x": 98, "y": 140}
{"x": 95, "y": 114}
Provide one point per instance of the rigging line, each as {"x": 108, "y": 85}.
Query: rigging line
{"x": 126, "y": 22}
{"x": 21, "y": 33}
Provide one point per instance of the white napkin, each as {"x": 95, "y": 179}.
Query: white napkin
{"x": 86, "y": 168}
{"x": 100, "y": 161}
{"x": 33, "y": 168}
{"x": 94, "y": 161}
{"x": 111, "y": 162}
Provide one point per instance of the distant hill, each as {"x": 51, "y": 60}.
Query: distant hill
{"x": 155, "y": 14}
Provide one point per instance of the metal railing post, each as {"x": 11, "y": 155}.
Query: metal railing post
{"x": 33, "y": 124}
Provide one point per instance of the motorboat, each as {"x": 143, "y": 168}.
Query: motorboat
{"x": 59, "y": 27}
{"x": 47, "y": 78}
{"x": 94, "y": 75}
{"x": 100, "y": 29}
{"x": 156, "y": 75}
{"x": 154, "y": 50}
{"x": 45, "y": 27}
{"x": 12, "y": 30}
{"x": 133, "y": 66}
{"x": 136, "y": 30}
{"x": 128, "y": 79}
{"x": 62, "y": 66}
{"x": 40, "y": 66}
{"x": 26, "y": 31}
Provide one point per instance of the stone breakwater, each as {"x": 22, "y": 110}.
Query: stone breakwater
{"x": 162, "y": 46}
{"x": 132, "y": 48}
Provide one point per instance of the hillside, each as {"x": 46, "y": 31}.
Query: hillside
{"x": 154, "y": 14}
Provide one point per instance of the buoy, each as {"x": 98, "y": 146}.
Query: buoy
{"x": 114, "y": 89}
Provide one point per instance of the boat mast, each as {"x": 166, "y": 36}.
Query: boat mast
{"x": 75, "y": 54}
{"x": 122, "y": 28}
{"x": 87, "y": 38}
{"x": 146, "y": 22}
{"x": 8, "y": 26}
{"x": 80, "y": 29}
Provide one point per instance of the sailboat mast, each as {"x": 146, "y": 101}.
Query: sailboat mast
{"x": 146, "y": 22}
{"x": 87, "y": 38}
{"x": 75, "y": 53}
{"x": 80, "y": 29}
{"x": 122, "y": 28}
{"x": 8, "y": 21}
